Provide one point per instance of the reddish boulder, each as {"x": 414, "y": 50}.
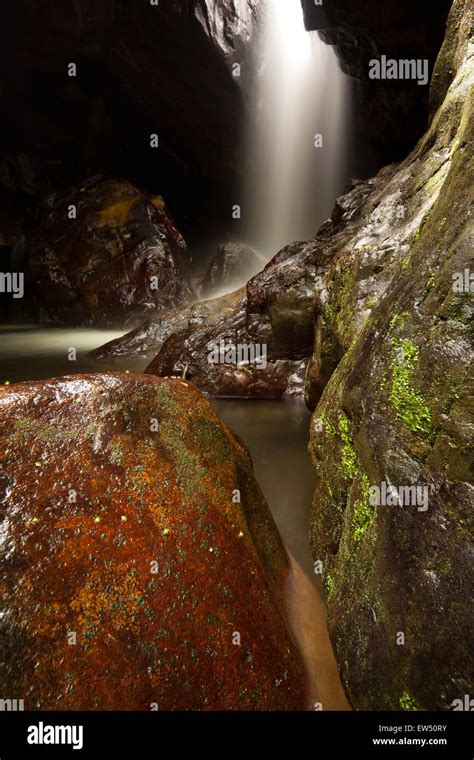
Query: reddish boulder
{"x": 130, "y": 577}
{"x": 105, "y": 254}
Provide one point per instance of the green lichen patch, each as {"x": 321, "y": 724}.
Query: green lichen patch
{"x": 398, "y": 320}
{"x": 364, "y": 512}
{"x": 329, "y": 585}
{"x": 327, "y": 424}
{"x": 41, "y": 431}
{"x": 409, "y": 404}
{"x": 349, "y": 460}
{"x": 408, "y": 702}
{"x": 115, "y": 453}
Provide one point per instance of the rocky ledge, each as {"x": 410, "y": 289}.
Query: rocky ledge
{"x": 148, "y": 338}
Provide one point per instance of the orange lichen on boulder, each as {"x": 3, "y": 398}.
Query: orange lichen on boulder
{"x": 131, "y": 575}
{"x": 116, "y": 214}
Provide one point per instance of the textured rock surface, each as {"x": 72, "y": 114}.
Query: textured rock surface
{"x": 233, "y": 264}
{"x": 275, "y": 317}
{"x": 392, "y": 113}
{"x": 147, "y": 339}
{"x": 392, "y": 353}
{"x": 398, "y": 410}
{"x": 115, "y": 263}
{"x": 147, "y": 560}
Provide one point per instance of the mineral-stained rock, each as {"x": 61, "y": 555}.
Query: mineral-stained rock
{"x": 129, "y": 571}
{"x": 113, "y": 263}
{"x": 233, "y": 265}
{"x": 397, "y": 413}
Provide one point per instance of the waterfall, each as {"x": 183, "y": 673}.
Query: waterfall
{"x": 300, "y": 92}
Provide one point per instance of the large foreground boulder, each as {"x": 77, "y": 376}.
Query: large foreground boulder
{"x": 392, "y": 437}
{"x": 105, "y": 254}
{"x": 140, "y": 565}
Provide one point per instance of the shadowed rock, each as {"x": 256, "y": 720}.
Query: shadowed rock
{"x": 112, "y": 263}
{"x": 391, "y": 113}
{"x": 233, "y": 265}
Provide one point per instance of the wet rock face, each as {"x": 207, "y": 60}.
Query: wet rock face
{"x": 261, "y": 348}
{"x": 278, "y": 315}
{"x": 148, "y": 338}
{"x": 233, "y": 265}
{"x": 129, "y": 571}
{"x": 392, "y": 113}
{"x": 392, "y": 434}
{"x": 116, "y": 262}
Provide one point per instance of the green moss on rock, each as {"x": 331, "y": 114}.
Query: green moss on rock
{"x": 349, "y": 461}
{"x": 408, "y": 702}
{"x": 409, "y": 404}
{"x": 364, "y": 512}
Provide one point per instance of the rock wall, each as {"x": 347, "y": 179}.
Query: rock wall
{"x": 397, "y": 413}
{"x": 391, "y": 114}
{"x": 141, "y": 69}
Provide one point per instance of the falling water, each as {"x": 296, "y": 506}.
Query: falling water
{"x": 300, "y": 92}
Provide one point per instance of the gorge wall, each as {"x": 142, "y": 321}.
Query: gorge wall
{"x": 391, "y": 114}
{"x": 398, "y": 411}
{"x": 370, "y": 320}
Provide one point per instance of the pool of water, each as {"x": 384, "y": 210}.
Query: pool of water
{"x": 31, "y": 352}
{"x": 276, "y": 434}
